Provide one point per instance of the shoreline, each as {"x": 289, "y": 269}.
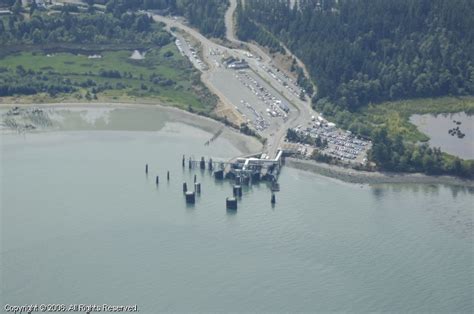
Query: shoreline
{"x": 244, "y": 143}
{"x": 248, "y": 145}
{"x": 365, "y": 177}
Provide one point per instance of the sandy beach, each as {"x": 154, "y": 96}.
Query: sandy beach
{"x": 245, "y": 144}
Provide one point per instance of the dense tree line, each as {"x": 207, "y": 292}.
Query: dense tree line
{"x": 366, "y": 51}
{"x": 29, "y": 82}
{"x": 110, "y": 73}
{"x": 84, "y": 28}
{"x": 297, "y": 137}
{"x": 394, "y": 154}
{"x": 302, "y": 80}
{"x": 6, "y": 3}
{"x": 250, "y": 30}
{"x": 206, "y": 15}
{"x": 119, "y": 23}
{"x": 21, "y": 81}
{"x": 361, "y": 51}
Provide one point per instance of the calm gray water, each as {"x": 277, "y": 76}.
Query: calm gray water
{"x": 81, "y": 223}
{"x": 437, "y": 126}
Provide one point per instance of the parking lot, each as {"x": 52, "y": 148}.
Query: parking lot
{"x": 188, "y": 50}
{"x": 262, "y": 106}
{"x": 276, "y": 105}
{"x": 267, "y": 108}
{"x": 286, "y": 81}
{"x": 341, "y": 144}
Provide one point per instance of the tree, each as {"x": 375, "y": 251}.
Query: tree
{"x": 302, "y": 96}
{"x": 16, "y": 8}
{"x": 90, "y": 6}
{"x": 361, "y": 52}
{"x": 37, "y": 36}
{"x": 33, "y": 7}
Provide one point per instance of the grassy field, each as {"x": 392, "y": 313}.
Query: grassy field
{"x": 395, "y": 115}
{"x": 163, "y": 76}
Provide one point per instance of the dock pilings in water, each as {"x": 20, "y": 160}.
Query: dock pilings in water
{"x": 190, "y": 197}
{"x": 237, "y": 190}
{"x": 242, "y": 171}
{"x": 232, "y": 170}
{"x": 231, "y": 203}
{"x": 219, "y": 174}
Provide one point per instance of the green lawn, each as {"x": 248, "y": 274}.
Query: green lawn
{"x": 183, "y": 88}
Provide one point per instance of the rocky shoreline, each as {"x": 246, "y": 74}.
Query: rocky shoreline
{"x": 366, "y": 177}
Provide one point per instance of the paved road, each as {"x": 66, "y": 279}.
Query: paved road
{"x": 302, "y": 111}
{"x": 207, "y": 45}
{"x": 304, "y": 108}
{"x": 230, "y": 34}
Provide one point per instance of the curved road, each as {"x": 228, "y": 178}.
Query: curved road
{"x": 230, "y": 34}
{"x": 304, "y": 108}
{"x": 300, "y": 116}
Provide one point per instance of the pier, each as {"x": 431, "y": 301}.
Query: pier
{"x": 244, "y": 170}
{"x": 241, "y": 172}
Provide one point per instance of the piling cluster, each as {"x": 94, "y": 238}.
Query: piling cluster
{"x": 190, "y": 196}
{"x": 217, "y": 170}
{"x": 219, "y": 174}
{"x": 157, "y": 178}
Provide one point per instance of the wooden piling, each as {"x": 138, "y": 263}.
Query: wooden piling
{"x": 231, "y": 203}
{"x": 190, "y": 197}
{"x": 219, "y": 174}
{"x": 210, "y": 164}
{"x": 237, "y": 190}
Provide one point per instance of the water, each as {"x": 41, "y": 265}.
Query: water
{"x": 82, "y": 223}
{"x": 437, "y": 126}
